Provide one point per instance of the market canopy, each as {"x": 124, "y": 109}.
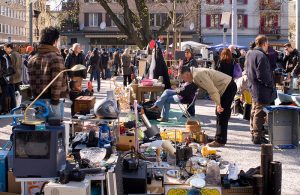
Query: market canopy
{"x": 191, "y": 44}
{"x": 221, "y": 46}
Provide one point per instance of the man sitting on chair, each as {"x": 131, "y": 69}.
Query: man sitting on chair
{"x": 184, "y": 95}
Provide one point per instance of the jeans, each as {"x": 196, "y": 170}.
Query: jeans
{"x": 12, "y": 95}
{"x": 96, "y": 75}
{"x": 168, "y": 97}
{"x": 223, "y": 117}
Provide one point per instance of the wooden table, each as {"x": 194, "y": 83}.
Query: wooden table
{"x": 144, "y": 89}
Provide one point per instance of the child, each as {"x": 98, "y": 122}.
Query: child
{"x": 76, "y": 91}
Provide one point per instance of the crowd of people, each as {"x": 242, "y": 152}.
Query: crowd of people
{"x": 250, "y": 74}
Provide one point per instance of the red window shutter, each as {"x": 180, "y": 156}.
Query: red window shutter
{"x": 262, "y": 24}
{"x": 230, "y": 21}
{"x": 221, "y": 1}
{"x": 245, "y": 1}
{"x": 208, "y": 1}
{"x": 220, "y": 19}
{"x": 86, "y": 19}
{"x": 208, "y": 21}
{"x": 276, "y": 20}
{"x": 230, "y": 1}
{"x": 245, "y": 21}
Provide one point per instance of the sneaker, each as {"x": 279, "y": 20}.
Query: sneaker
{"x": 162, "y": 120}
{"x": 259, "y": 140}
{"x": 215, "y": 144}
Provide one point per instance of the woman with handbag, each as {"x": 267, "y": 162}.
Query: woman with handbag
{"x": 127, "y": 67}
{"x": 94, "y": 67}
{"x": 227, "y": 65}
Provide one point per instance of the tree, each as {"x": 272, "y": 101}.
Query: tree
{"x": 136, "y": 23}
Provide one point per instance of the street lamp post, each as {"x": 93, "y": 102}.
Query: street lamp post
{"x": 234, "y": 23}
{"x": 297, "y": 25}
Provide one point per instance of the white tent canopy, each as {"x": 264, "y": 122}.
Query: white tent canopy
{"x": 192, "y": 44}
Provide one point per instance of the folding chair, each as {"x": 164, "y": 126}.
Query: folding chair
{"x": 185, "y": 110}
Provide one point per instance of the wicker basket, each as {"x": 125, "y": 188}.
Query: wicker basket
{"x": 193, "y": 126}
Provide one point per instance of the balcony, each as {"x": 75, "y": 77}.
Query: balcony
{"x": 270, "y": 6}
{"x": 266, "y": 30}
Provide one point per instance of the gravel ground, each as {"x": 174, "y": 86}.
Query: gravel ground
{"x": 239, "y": 148}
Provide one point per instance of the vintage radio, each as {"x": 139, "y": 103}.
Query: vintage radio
{"x": 84, "y": 104}
{"x": 38, "y": 153}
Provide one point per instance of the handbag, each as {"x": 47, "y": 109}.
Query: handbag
{"x": 237, "y": 71}
{"x": 89, "y": 70}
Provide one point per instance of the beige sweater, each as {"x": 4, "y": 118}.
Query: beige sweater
{"x": 214, "y": 82}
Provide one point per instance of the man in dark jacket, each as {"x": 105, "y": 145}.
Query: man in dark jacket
{"x": 261, "y": 85}
{"x": 73, "y": 58}
{"x": 291, "y": 60}
{"x": 104, "y": 63}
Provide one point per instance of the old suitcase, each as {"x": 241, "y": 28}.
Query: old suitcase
{"x": 84, "y": 104}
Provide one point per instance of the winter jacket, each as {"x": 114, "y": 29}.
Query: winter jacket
{"x": 187, "y": 92}
{"x": 190, "y": 63}
{"x": 95, "y": 62}
{"x": 226, "y": 68}
{"x": 292, "y": 62}
{"x": 260, "y": 77}
{"x": 6, "y": 69}
{"x": 161, "y": 69}
{"x": 43, "y": 67}
{"x": 214, "y": 82}
{"x": 16, "y": 62}
{"x": 104, "y": 60}
{"x": 126, "y": 60}
{"x": 72, "y": 60}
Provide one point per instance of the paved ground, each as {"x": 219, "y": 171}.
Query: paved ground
{"x": 239, "y": 148}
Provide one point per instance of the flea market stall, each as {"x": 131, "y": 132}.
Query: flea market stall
{"x": 112, "y": 147}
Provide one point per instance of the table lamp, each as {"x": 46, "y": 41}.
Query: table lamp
{"x": 77, "y": 67}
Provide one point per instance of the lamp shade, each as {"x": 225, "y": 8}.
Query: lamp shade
{"x": 77, "y": 67}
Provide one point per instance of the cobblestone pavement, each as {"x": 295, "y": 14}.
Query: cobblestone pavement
{"x": 239, "y": 148}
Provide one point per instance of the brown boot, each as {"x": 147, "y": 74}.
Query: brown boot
{"x": 215, "y": 144}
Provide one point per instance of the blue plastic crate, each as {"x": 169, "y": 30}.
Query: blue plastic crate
{"x": 3, "y": 166}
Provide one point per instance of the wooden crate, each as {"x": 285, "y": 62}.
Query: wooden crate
{"x": 84, "y": 104}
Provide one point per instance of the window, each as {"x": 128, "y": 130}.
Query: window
{"x": 213, "y": 2}
{"x": 242, "y": 21}
{"x": 157, "y": 20}
{"x": 93, "y": 19}
{"x": 213, "y": 21}
{"x": 152, "y": 19}
{"x": 0, "y": 28}
{"x": 1, "y": 10}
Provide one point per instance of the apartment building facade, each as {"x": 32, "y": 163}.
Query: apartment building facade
{"x": 268, "y": 17}
{"x": 89, "y": 32}
{"x": 13, "y": 21}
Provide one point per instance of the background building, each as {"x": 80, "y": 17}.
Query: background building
{"x": 89, "y": 33}
{"x": 13, "y": 21}
{"x": 292, "y": 22}
{"x": 268, "y": 17}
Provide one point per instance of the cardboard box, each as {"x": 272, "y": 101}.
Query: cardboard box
{"x": 84, "y": 104}
{"x": 13, "y": 186}
{"x": 125, "y": 142}
{"x": 238, "y": 191}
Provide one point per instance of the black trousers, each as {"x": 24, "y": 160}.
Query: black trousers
{"x": 223, "y": 117}
{"x": 126, "y": 78}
